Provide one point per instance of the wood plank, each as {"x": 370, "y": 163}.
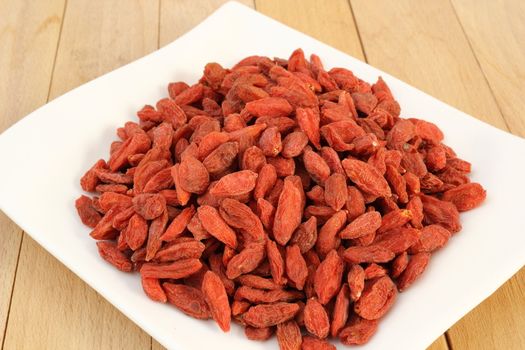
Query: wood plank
{"x": 432, "y": 58}
{"x": 54, "y": 309}
{"x": 328, "y": 21}
{"x": 9, "y": 251}
{"x": 70, "y": 315}
{"x": 496, "y": 31}
{"x": 112, "y": 34}
{"x": 179, "y": 16}
{"x": 428, "y": 50}
{"x": 439, "y": 344}
{"x": 497, "y": 323}
{"x": 28, "y": 40}
{"x": 155, "y": 345}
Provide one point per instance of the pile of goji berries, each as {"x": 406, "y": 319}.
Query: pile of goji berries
{"x": 288, "y": 198}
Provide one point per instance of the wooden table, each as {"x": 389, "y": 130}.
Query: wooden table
{"x": 467, "y": 53}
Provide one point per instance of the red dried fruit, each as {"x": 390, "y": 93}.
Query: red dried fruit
{"x": 399, "y": 264}
{"x": 276, "y": 262}
{"x": 216, "y": 226}
{"x": 239, "y": 307}
{"x": 260, "y": 199}
{"x": 156, "y": 229}
{"x": 356, "y": 281}
{"x": 136, "y": 232}
{"x": 194, "y": 177}
{"x": 363, "y": 225}
{"x": 440, "y": 212}
{"x": 466, "y": 196}
{"x": 109, "y": 252}
{"x": 184, "y": 250}
{"x": 188, "y": 299}
{"x": 289, "y": 336}
{"x": 257, "y": 296}
{"x": 221, "y": 158}
{"x": 393, "y": 219}
{"x": 335, "y": 191}
{"x": 397, "y": 240}
{"x": 235, "y": 184}
{"x": 288, "y": 212}
{"x": 306, "y": 235}
{"x": 88, "y": 214}
{"x": 328, "y": 238}
{"x": 293, "y": 144}
{"x": 149, "y": 206}
{"x": 153, "y": 290}
{"x": 246, "y": 261}
{"x": 253, "y": 333}
{"x": 267, "y": 315}
{"x": 178, "y": 224}
{"x": 366, "y": 177}
{"x": 239, "y": 215}
{"x": 253, "y": 159}
{"x": 368, "y": 254}
{"x": 90, "y": 180}
{"x": 340, "y": 311}
{"x": 328, "y": 277}
{"x": 266, "y": 212}
{"x": 415, "y": 267}
{"x": 414, "y": 163}
{"x": 270, "y": 142}
{"x": 189, "y": 95}
{"x": 308, "y": 120}
{"x": 217, "y": 300}
{"x": 283, "y": 166}
{"x": 265, "y": 181}
{"x": 416, "y": 208}
{"x": 316, "y": 319}
{"x": 110, "y": 200}
{"x": 171, "y": 112}
{"x": 377, "y": 298}
{"x": 358, "y": 332}
{"x": 138, "y": 143}
{"x": 259, "y": 282}
{"x": 373, "y": 271}
{"x": 432, "y": 237}
{"x": 296, "y": 269}
{"x": 316, "y": 166}
{"x": 355, "y": 203}
{"x": 311, "y": 343}
{"x": 269, "y": 106}
{"x": 175, "y": 270}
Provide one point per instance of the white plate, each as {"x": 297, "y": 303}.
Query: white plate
{"x": 44, "y": 155}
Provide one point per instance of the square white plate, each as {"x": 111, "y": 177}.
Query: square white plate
{"x": 46, "y": 153}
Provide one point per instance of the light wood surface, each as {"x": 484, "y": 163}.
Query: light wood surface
{"x": 28, "y": 39}
{"x": 467, "y": 53}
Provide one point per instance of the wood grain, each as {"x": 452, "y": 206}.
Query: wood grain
{"x": 439, "y": 344}
{"x": 28, "y": 39}
{"x": 496, "y": 31}
{"x": 468, "y": 53}
{"x": 328, "y": 21}
{"x": 51, "y": 307}
{"x": 497, "y": 323}
{"x": 428, "y": 50}
{"x": 179, "y": 16}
